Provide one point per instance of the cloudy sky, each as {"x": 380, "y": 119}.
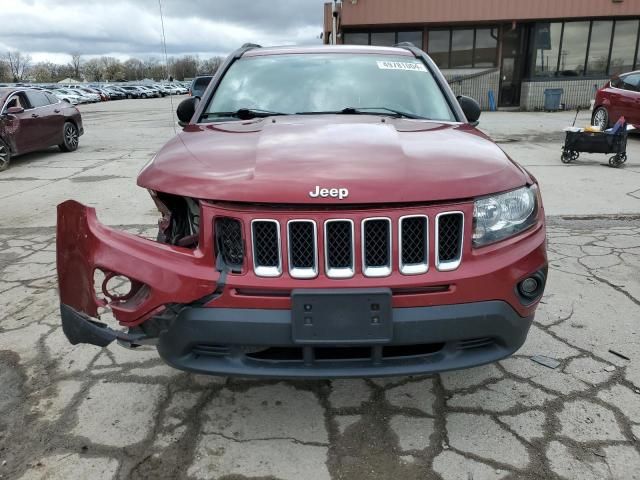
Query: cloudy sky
{"x": 51, "y": 29}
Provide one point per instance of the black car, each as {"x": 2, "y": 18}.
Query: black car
{"x": 199, "y": 85}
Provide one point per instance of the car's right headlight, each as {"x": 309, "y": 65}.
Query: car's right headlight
{"x": 502, "y": 216}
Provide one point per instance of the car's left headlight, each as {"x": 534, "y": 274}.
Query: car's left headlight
{"x": 501, "y": 216}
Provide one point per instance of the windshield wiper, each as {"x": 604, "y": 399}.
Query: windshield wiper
{"x": 243, "y": 114}
{"x": 368, "y": 110}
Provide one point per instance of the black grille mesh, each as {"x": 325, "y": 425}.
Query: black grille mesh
{"x": 266, "y": 250}
{"x": 339, "y": 244}
{"x": 229, "y": 242}
{"x": 414, "y": 240}
{"x": 302, "y": 245}
{"x": 376, "y": 243}
{"x": 449, "y": 236}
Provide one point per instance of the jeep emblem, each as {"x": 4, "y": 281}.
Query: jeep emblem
{"x": 339, "y": 193}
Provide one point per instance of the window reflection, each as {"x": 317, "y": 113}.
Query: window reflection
{"x": 383, "y": 39}
{"x": 624, "y": 46}
{"x": 439, "y": 47}
{"x": 462, "y": 49}
{"x": 328, "y": 82}
{"x": 599, "y": 44}
{"x": 413, "y": 37}
{"x": 547, "y": 48}
{"x": 486, "y": 47}
{"x": 573, "y": 53}
{"x": 355, "y": 38}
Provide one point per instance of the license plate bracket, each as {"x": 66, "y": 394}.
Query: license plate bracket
{"x": 345, "y": 316}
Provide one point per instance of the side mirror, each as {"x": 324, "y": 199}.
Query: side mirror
{"x": 186, "y": 109}
{"x": 470, "y": 108}
{"x": 15, "y": 110}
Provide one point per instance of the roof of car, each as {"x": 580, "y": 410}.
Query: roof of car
{"x": 292, "y": 49}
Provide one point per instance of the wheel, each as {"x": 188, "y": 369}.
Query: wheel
{"x": 70, "y": 138}
{"x": 129, "y": 96}
{"x": 616, "y": 161}
{"x": 623, "y": 157}
{"x": 567, "y": 156}
{"x": 5, "y": 156}
{"x": 600, "y": 118}
{"x": 144, "y": 95}
{"x": 575, "y": 156}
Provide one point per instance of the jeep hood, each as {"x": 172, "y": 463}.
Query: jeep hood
{"x": 378, "y": 159}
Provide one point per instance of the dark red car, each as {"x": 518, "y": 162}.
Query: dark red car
{"x": 326, "y": 212}
{"x": 32, "y": 120}
{"x": 620, "y": 97}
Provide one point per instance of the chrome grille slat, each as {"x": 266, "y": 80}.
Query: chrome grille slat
{"x": 376, "y": 247}
{"x": 449, "y": 240}
{"x": 266, "y": 247}
{"x": 413, "y": 243}
{"x": 375, "y": 250}
{"x": 302, "y": 245}
{"x": 339, "y": 248}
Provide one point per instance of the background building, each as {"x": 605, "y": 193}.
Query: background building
{"x": 514, "y": 48}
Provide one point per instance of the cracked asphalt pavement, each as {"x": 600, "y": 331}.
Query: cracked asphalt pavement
{"x": 81, "y": 412}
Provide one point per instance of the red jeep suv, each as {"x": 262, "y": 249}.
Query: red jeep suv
{"x": 327, "y": 211}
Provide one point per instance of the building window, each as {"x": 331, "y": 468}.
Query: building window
{"x": 355, "y": 38}
{"x": 625, "y": 37}
{"x": 383, "y": 39}
{"x": 599, "y": 43}
{"x": 412, "y": 37}
{"x": 461, "y": 49}
{"x": 439, "y": 42}
{"x": 486, "y": 47}
{"x": 547, "y": 48}
{"x": 575, "y": 38}
{"x": 464, "y": 48}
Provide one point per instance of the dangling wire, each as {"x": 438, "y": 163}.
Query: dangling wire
{"x": 166, "y": 63}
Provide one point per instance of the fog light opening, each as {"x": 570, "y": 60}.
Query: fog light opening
{"x": 117, "y": 287}
{"x": 532, "y": 286}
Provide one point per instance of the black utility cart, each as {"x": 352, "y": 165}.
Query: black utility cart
{"x": 597, "y": 142}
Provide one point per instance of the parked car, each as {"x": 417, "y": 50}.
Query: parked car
{"x": 85, "y": 92}
{"x": 33, "y": 120}
{"x": 134, "y": 92}
{"x": 82, "y": 97}
{"x": 326, "y": 212}
{"x": 72, "y": 99}
{"x": 114, "y": 94}
{"x": 199, "y": 85}
{"x": 151, "y": 91}
{"x": 618, "y": 97}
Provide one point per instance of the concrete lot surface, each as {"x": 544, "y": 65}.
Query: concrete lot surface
{"x": 81, "y": 412}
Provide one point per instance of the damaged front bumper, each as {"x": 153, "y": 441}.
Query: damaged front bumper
{"x": 158, "y": 274}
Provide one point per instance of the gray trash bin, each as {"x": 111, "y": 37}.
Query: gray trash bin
{"x": 552, "y": 98}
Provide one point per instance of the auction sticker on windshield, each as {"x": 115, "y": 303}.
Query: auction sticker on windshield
{"x": 387, "y": 65}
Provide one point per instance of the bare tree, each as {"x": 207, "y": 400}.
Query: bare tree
{"x": 112, "y": 68}
{"x": 18, "y": 64}
{"x": 5, "y": 75}
{"x": 93, "y": 70}
{"x": 210, "y": 66}
{"x": 183, "y": 67}
{"x": 76, "y": 64}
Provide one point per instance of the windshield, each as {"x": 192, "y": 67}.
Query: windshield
{"x": 306, "y": 83}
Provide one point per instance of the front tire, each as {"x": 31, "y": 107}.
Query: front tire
{"x": 600, "y": 118}
{"x": 70, "y": 138}
{"x": 5, "y": 156}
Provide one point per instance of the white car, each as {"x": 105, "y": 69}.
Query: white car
{"x": 72, "y": 99}
{"x": 82, "y": 98}
{"x": 93, "y": 97}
